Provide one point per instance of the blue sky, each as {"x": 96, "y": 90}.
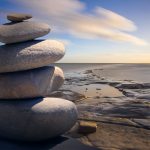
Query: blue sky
{"x": 98, "y": 31}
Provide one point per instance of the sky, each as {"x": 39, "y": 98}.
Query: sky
{"x": 93, "y": 31}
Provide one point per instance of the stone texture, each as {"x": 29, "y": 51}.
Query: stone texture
{"x": 36, "y": 119}
{"x": 30, "y": 55}
{"x": 87, "y": 127}
{"x": 112, "y": 136}
{"x": 15, "y": 17}
{"x": 22, "y": 31}
{"x": 30, "y": 83}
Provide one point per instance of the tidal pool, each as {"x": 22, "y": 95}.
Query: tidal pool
{"x": 97, "y": 90}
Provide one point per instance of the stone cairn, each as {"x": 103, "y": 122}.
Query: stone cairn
{"x": 26, "y": 82}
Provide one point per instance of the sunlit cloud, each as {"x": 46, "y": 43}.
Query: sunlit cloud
{"x": 69, "y": 16}
{"x": 114, "y": 20}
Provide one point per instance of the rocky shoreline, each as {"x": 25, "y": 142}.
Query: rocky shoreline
{"x": 123, "y": 120}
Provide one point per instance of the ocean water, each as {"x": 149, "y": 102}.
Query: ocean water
{"x": 135, "y": 72}
{"x": 76, "y": 67}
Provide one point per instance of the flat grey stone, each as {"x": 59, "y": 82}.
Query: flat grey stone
{"x": 17, "y": 17}
{"x": 30, "y": 83}
{"x": 30, "y": 55}
{"x": 145, "y": 123}
{"x": 22, "y": 31}
{"x": 36, "y": 119}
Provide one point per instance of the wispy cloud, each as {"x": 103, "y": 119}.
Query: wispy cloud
{"x": 70, "y": 16}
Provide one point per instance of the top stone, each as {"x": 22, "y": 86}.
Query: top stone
{"x": 22, "y": 31}
{"x": 15, "y": 17}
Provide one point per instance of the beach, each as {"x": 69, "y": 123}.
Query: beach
{"x": 116, "y": 97}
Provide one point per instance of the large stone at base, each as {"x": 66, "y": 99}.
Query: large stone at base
{"x": 30, "y": 83}
{"x": 30, "y": 55}
{"x": 36, "y": 119}
{"x": 22, "y": 31}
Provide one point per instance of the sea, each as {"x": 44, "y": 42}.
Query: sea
{"x": 134, "y": 72}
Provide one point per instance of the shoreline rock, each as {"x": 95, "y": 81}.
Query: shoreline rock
{"x": 87, "y": 127}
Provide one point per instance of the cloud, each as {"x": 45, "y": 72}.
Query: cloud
{"x": 70, "y": 16}
{"x": 114, "y": 20}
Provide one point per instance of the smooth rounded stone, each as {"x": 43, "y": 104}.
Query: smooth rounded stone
{"x": 30, "y": 55}
{"x": 22, "y": 31}
{"x": 36, "y": 119}
{"x": 17, "y": 17}
{"x": 30, "y": 83}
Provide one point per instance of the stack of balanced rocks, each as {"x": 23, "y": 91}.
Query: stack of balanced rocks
{"x": 26, "y": 82}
